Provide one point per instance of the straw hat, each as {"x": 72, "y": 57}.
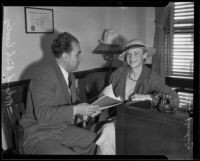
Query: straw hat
{"x": 136, "y": 43}
{"x": 110, "y": 43}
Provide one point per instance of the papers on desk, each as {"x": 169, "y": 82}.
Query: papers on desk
{"x": 140, "y": 97}
{"x": 107, "y": 98}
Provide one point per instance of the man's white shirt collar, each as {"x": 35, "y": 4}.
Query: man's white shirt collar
{"x": 65, "y": 74}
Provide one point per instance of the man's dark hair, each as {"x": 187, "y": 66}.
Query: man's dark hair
{"x": 63, "y": 43}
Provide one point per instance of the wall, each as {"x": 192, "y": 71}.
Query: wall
{"x": 23, "y": 50}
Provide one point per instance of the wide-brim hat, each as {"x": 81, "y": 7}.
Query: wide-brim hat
{"x": 109, "y": 43}
{"x": 136, "y": 43}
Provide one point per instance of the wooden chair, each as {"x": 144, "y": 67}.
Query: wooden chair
{"x": 91, "y": 85}
{"x": 13, "y": 106}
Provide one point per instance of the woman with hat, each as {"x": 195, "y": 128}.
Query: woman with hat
{"x": 134, "y": 77}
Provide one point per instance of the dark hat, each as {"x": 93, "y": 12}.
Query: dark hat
{"x": 110, "y": 43}
{"x": 136, "y": 43}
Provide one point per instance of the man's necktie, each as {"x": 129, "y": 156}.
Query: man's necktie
{"x": 70, "y": 81}
{"x": 70, "y": 85}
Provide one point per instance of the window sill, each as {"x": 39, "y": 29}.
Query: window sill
{"x": 180, "y": 77}
{"x": 179, "y": 82}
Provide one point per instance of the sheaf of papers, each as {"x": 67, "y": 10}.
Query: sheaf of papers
{"x": 108, "y": 91}
{"x": 107, "y": 99}
{"x": 141, "y": 97}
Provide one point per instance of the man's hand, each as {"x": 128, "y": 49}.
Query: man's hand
{"x": 86, "y": 109}
{"x": 95, "y": 113}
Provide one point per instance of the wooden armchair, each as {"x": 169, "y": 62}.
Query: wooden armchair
{"x": 13, "y": 106}
{"x": 91, "y": 85}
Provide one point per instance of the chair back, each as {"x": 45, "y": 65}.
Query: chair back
{"x": 13, "y": 106}
{"x": 91, "y": 85}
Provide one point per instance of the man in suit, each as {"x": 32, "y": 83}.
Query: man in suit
{"x": 52, "y": 104}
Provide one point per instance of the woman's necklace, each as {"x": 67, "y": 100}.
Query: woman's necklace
{"x": 130, "y": 77}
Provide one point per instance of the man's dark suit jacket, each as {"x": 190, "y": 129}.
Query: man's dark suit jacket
{"x": 49, "y": 108}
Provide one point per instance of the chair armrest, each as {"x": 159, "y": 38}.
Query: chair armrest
{"x": 80, "y": 120}
{"x": 83, "y": 121}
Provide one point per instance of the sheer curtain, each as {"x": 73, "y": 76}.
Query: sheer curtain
{"x": 158, "y": 64}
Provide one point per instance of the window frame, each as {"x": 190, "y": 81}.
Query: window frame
{"x": 180, "y": 83}
{"x": 169, "y": 32}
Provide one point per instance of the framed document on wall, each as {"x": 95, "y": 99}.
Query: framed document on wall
{"x": 39, "y": 20}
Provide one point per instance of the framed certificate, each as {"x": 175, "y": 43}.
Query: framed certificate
{"x": 39, "y": 20}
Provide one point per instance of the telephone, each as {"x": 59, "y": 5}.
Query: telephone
{"x": 164, "y": 102}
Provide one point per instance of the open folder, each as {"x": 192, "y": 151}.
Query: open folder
{"x": 107, "y": 98}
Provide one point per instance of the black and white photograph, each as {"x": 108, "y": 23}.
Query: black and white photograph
{"x": 107, "y": 80}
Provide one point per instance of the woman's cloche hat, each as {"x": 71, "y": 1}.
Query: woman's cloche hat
{"x": 137, "y": 43}
{"x": 109, "y": 43}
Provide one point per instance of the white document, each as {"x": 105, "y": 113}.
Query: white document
{"x": 141, "y": 97}
{"x": 108, "y": 91}
{"x": 107, "y": 99}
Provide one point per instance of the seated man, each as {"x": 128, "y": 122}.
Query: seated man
{"x": 52, "y": 104}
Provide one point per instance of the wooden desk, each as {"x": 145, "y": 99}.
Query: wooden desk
{"x": 142, "y": 131}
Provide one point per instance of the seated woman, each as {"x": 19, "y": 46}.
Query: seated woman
{"x": 134, "y": 77}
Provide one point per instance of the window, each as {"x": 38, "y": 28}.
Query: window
{"x": 179, "y": 45}
{"x": 179, "y": 42}
{"x": 185, "y": 98}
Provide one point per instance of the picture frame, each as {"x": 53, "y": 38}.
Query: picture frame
{"x": 39, "y": 20}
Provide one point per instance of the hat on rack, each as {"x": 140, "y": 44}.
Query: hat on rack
{"x": 110, "y": 43}
{"x": 136, "y": 43}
